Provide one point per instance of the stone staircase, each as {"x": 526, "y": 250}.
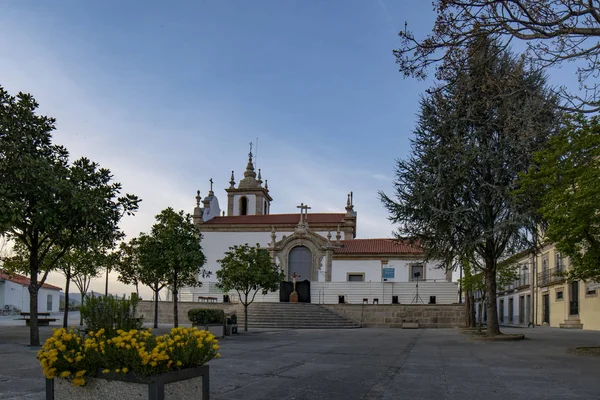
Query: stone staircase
{"x": 292, "y": 316}
{"x": 572, "y": 322}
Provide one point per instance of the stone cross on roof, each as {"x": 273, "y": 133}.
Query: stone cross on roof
{"x": 303, "y": 211}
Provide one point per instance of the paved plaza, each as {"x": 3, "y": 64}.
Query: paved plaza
{"x": 367, "y": 364}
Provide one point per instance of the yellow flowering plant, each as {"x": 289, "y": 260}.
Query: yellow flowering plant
{"x": 75, "y": 355}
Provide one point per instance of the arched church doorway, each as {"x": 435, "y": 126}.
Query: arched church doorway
{"x": 300, "y": 262}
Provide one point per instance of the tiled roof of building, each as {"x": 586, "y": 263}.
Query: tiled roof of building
{"x": 377, "y": 246}
{"x": 23, "y": 280}
{"x": 279, "y": 219}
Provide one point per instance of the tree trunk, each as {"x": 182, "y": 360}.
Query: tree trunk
{"x": 156, "y": 309}
{"x": 493, "y": 327}
{"x": 480, "y": 316}
{"x": 66, "y": 313}
{"x": 472, "y": 311}
{"x": 34, "y": 332}
{"x": 175, "y": 290}
{"x": 137, "y": 289}
{"x": 82, "y": 294}
{"x": 246, "y": 314}
{"x": 106, "y": 284}
{"x": 175, "y": 318}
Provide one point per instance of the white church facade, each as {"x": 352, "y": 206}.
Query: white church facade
{"x": 320, "y": 247}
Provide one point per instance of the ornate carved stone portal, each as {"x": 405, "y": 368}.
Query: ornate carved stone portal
{"x": 301, "y": 244}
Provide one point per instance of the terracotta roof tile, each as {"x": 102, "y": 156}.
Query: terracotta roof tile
{"x": 278, "y": 219}
{"x": 378, "y": 246}
{"x": 23, "y": 280}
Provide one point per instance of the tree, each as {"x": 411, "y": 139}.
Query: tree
{"x": 128, "y": 264}
{"x": 474, "y": 135}
{"x": 174, "y": 244}
{"x": 247, "y": 270}
{"x": 565, "y": 181}
{"x": 151, "y": 269}
{"x": 474, "y": 282}
{"x": 554, "y": 31}
{"x": 86, "y": 265}
{"x": 46, "y": 202}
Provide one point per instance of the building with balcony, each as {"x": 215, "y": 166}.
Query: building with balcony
{"x": 542, "y": 296}
{"x": 559, "y": 303}
{"x": 514, "y": 299}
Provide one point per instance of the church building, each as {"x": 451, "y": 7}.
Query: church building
{"x": 322, "y": 248}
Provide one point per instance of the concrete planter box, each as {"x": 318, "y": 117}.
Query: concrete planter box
{"x": 216, "y": 329}
{"x": 185, "y": 384}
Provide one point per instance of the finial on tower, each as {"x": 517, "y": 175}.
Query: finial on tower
{"x": 211, "y": 188}
{"x": 349, "y": 205}
{"x": 259, "y": 178}
{"x": 250, "y": 154}
{"x": 232, "y": 181}
{"x": 267, "y": 184}
{"x": 198, "y": 198}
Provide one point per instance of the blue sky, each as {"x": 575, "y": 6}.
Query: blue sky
{"x": 169, "y": 94}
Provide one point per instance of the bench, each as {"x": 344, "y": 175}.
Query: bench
{"x": 40, "y": 314}
{"x": 41, "y": 321}
{"x": 208, "y": 299}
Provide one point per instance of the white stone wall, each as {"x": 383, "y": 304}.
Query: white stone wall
{"x": 251, "y": 204}
{"x": 215, "y": 244}
{"x": 373, "y": 273}
{"x": 341, "y": 268}
{"x": 43, "y": 300}
{"x": 353, "y": 292}
{"x": 18, "y": 296}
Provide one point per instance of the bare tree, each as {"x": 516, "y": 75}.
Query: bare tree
{"x": 554, "y": 31}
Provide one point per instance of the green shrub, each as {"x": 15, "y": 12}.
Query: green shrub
{"x": 205, "y": 316}
{"x": 110, "y": 313}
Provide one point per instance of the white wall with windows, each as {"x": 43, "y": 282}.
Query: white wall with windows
{"x": 17, "y": 295}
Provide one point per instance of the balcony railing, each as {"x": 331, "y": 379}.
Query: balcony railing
{"x": 550, "y": 276}
{"x": 520, "y": 282}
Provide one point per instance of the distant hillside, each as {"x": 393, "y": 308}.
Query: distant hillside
{"x": 75, "y": 298}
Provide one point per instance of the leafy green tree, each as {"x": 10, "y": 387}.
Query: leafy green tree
{"x": 46, "y": 202}
{"x": 174, "y": 247}
{"x": 128, "y": 264}
{"x": 86, "y": 265}
{"x": 474, "y": 135}
{"x": 150, "y": 270}
{"x": 247, "y": 270}
{"x": 565, "y": 181}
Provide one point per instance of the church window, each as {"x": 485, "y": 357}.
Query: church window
{"x": 244, "y": 205}
{"x": 265, "y": 208}
{"x": 356, "y": 277}
{"x": 300, "y": 262}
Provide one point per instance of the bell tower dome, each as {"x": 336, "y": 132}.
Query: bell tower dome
{"x": 250, "y": 197}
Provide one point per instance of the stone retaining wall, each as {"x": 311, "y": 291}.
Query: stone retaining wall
{"x": 165, "y": 310}
{"x": 368, "y": 315}
{"x": 393, "y": 315}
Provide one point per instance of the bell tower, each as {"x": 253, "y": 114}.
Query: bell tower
{"x": 250, "y": 197}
